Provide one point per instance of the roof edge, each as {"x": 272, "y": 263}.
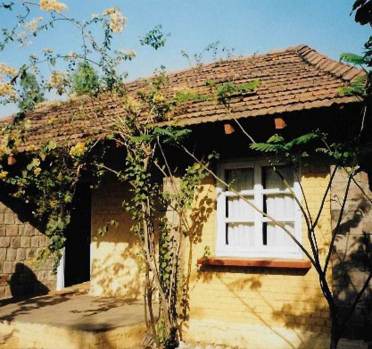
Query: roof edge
{"x": 341, "y": 70}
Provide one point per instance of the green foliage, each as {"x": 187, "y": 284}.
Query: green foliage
{"x": 362, "y": 10}
{"x": 85, "y": 80}
{"x": 30, "y": 91}
{"x": 352, "y": 58}
{"x": 230, "y": 89}
{"x": 356, "y": 88}
{"x": 171, "y": 134}
{"x": 308, "y": 146}
{"x": 278, "y": 144}
{"x": 155, "y": 38}
{"x": 212, "y": 52}
{"x": 189, "y": 96}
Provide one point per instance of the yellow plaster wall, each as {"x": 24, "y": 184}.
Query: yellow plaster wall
{"x": 259, "y": 308}
{"x": 247, "y": 308}
{"x": 115, "y": 262}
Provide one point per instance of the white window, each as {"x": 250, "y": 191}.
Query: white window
{"x": 245, "y": 232}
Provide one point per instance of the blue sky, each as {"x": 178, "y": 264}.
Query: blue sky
{"x": 248, "y": 26}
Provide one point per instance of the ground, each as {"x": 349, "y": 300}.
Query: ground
{"x": 72, "y": 319}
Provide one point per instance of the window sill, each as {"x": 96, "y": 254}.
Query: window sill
{"x": 301, "y": 264}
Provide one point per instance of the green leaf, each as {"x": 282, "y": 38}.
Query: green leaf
{"x": 265, "y": 147}
{"x": 85, "y": 80}
{"x": 356, "y": 88}
{"x": 155, "y": 38}
{"x": 275, "y": 139}
{"x": 352, "y": 58}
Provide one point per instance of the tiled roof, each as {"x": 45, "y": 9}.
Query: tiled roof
{"x": 294, "y": 79}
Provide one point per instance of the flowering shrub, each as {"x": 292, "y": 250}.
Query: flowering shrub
{"x": 7, "y": 90}
{"x": 117, "y": 21}
{"x": 52, "y": 5}
{"x": 78, "y": 150}
{"x": 7, "y": 70}
{"x": 58, "y": 81}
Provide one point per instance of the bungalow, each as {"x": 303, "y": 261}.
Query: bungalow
{"x": 256, "y": 289}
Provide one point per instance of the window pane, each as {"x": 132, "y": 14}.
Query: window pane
{"x": 280, "y": 206}
{"x": 240, "y": 235}
{"x": 277, "y": 237}
{"x": 240, "y": 178}
{"x": 238, "y": 209}
{"x": 271, "y": 180}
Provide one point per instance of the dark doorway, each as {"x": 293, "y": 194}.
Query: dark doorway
{"x": 77, "y": 250}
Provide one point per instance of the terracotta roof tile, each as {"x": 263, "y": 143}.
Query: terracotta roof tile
{"x": 298, "y": 78}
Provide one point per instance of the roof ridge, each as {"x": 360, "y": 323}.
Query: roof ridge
{"x": 339, "y": 69}
{"x": 236, "y": 58}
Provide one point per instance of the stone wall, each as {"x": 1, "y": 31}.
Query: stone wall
{"x": 353, "y": 251}
{"x": 20, "y": 274}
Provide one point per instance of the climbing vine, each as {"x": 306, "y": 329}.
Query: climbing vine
{"x": 45, "y": 176}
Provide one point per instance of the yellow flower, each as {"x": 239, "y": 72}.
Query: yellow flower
{"x": 78, "y": 150}
{"x": 3, "y": 174}
{"x": 7, "y": 90}
{"x": 37, "y": 171}
{"x": 33, "y": 25}
{"x": 158, "y": 98}
{"x": 27, "y": 124}
{"x": 53, "y": 203}
{"x": 35, "y": 162}
{"x": 117, "y": 20}
{"x": 58, "y": 81}
{"x": 7, "y": 70}
{"x": 52, "y": 5}
{"x": 132, "y": 104}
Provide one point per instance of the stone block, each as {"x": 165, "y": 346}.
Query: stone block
{"x": 25, "y": 241}
{"x": 11, "y": 254}
{"x": 2, "y": 254}
{"x": 28, "y": 230}
{"x": 4, "y": 278}
{"x": 43, "y": 241}
{"x": 30, "y": 253}
{"x": 3, "y": 207}
{"x": 4, "y": 241}
{"x": 8, "y": 267}
{"x": 21, "y": 254}
{"x": 9, "y": 218}
{"x": 35, "y": 241}
{"x": 15, "y": 242}
{"x": 11, "y": 230}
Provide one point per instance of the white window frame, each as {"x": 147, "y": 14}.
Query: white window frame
{"x": 260, "y": 250}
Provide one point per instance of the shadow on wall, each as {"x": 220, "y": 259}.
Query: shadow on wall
{"x": 198, "y": 218}
{"x": 352, "y": 264}
{"x": 116, "y": 260}
{"x": 117, "y": 274}
{"x": 293, "y": 323}
{"x": 24, "y": 283}
{"x": 305, "y": 312}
